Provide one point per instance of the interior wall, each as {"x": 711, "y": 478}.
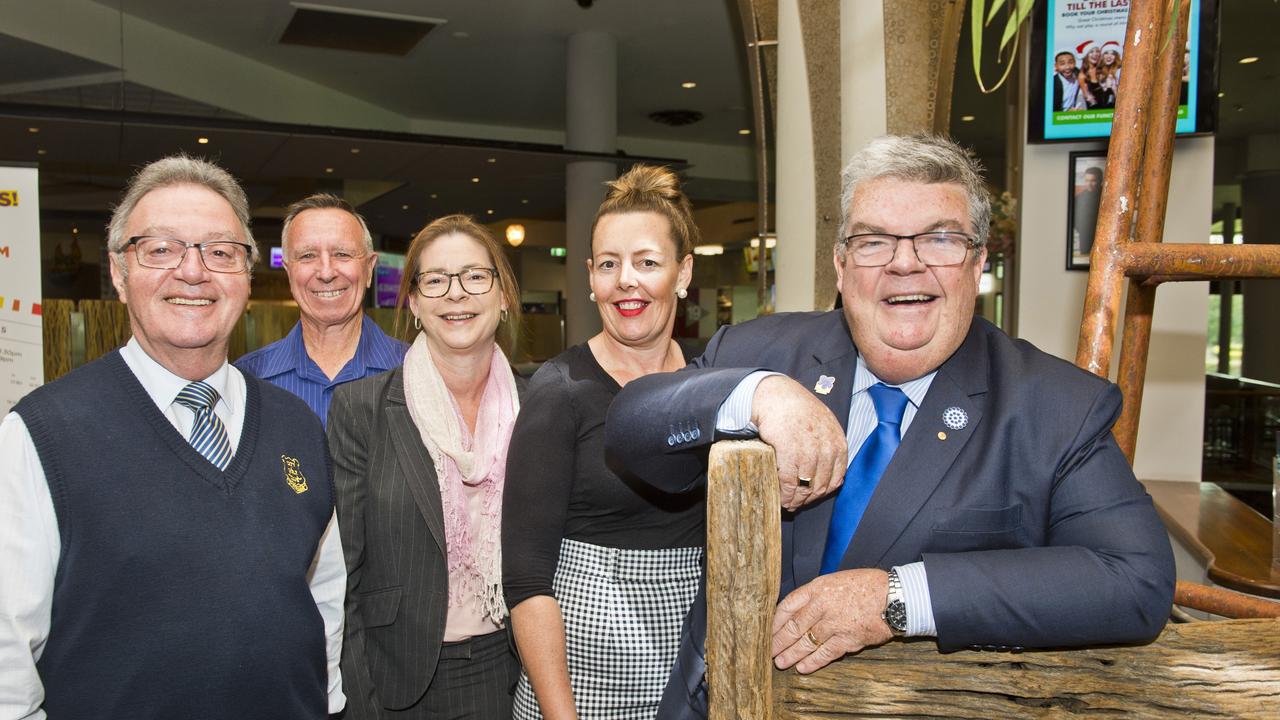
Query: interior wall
{"x": 1051, "y": 298}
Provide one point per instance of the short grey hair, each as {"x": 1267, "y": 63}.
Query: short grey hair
{"x": 177, "y": 170}
{"x": 917, "y": 158}
{"x": 323, "y": 201}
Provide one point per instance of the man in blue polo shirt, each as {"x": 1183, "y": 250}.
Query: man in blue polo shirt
{"x": 329, "y": 258}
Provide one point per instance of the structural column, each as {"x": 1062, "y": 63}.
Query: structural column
{"x": 591, "y": 125}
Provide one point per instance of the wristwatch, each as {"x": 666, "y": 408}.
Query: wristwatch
{"x": 895, "y": 609}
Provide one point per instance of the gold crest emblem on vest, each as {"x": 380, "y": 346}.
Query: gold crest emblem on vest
{"x": 293, "y": 474}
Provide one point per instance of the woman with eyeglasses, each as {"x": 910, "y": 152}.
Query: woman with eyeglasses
{"x": 419, "y": 460}
{"x": 599, "y": 573}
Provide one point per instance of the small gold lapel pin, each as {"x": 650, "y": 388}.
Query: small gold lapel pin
{"x": 824, "y": 385}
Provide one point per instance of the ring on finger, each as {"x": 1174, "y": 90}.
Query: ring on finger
{"x": 804, "y": 482}
{"x": 808, "y": 635}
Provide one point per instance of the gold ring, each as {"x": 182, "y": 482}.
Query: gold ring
{"x": 804, "y": 482}
{"x": 808, "y": 635}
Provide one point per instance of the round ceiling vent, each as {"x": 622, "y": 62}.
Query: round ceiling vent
{"x": 676, "y": 118}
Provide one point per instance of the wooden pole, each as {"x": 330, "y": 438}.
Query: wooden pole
{"x": 744, "y": 523}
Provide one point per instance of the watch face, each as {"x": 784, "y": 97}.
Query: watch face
{"x": 895, "y": 615}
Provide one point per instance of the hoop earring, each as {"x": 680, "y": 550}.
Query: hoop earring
{"x": 417, "y": 324}
{"x": 682, "y": 293}
{"x": 592, "y": 297}
{"x": 502, "y": 315}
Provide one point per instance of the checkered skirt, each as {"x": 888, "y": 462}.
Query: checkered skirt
{"x": 622, "y": 613}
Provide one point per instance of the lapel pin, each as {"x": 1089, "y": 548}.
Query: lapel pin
{"x": 942, "y": 435}
{"x": 955, "y": 418}
{"x": 824, "y": 385}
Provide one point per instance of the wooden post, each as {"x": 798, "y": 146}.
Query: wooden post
{"x": 744, "y": 524}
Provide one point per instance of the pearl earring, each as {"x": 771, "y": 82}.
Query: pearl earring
{"x": 592, "y": 296}
{"x": 682, "y": 293}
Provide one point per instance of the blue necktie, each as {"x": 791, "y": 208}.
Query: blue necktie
{"x": 208, "y": 436}
{"x": 864, "y": 472}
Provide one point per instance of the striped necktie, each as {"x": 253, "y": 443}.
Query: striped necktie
{"x": 208, "y": 436}
{"x": 864, "y": 472}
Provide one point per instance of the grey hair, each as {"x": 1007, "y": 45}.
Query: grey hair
{"x": 917, "y": 158}
{"x": 177, "y": 170}
{"x": 323, "y": 201}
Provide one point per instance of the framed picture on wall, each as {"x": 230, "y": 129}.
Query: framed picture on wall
{"x": 1084, "y": 190}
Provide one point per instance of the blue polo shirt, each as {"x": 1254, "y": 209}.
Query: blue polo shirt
{"x": 285, "y": 364}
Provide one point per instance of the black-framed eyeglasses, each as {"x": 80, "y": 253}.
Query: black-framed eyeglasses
{"x": 935, "y": 249}
{"x": 474, "y": 281}
{"x": 160, "y": 252}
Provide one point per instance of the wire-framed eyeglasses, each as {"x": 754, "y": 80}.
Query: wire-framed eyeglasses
{"x": 474, "y": 281}
{"x": 935, "y": 249}
{"x": 160, "y": 252}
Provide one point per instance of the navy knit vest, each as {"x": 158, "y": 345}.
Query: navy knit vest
{"x": 181, "y": 590}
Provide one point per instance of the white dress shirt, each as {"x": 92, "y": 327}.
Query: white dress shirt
{"x": 30, "y": 544}
{"x": 734, "y": 416}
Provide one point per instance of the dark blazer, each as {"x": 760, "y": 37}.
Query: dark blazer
{"x": 1033, "y": 530}
{"x": 392, "y": 525}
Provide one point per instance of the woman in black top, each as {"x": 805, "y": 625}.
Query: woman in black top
{"x": 599, "y": 573}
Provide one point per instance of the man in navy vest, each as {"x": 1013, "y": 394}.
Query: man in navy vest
{"x": 939, "y": 478}
{"x": 167, "y": 538}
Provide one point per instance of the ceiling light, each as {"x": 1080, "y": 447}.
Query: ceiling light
{"x": 488, "y": 212}
{"x": 328, "y": 170}
{"x": 41, "y": 151}
{"x": 33, "y": 129}
{"x": 744, "y": 131}
{"x": 688, "y": 85}
{"x": 75, "y": 230}
{"x": 434, "y": 196}
{"x": 524, "y": 201}
{"x": 515, "y": 234}
{"x": 492, "y": 160}
{"x": 967, "y": 118}
{"x": 202, "y": 140}
{"x": 770, "y": 241}
{"x": 1222, "y": 94}
{"x": 404, "y": 207}
{"x": 355, "y": 151}
{"x": 475, "y": 180}
{"x": 708, "y": 250}
{"x": 1249, "y": 60}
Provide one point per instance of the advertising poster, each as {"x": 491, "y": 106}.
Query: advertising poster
{"x": 386, "y": 279}
{"x": 21, "y": 341}
{"x": 1084, "y": 67}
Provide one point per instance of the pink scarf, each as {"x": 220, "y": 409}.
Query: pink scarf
{"x": 475, "y": 558}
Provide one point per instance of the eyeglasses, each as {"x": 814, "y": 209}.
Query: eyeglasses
{"x": 935, "y": 249}
{"x": 166, "y": 253}
{"x": 474, "y": 281}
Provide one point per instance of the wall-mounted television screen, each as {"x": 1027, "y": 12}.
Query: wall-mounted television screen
{"x": 386, "y": 279}
{"x": 1077, "y": 69}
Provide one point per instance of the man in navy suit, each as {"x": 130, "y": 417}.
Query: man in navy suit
{"x": 985, "y": 501}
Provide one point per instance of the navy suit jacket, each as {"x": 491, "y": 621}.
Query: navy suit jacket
{"x": 1030, "y": 523}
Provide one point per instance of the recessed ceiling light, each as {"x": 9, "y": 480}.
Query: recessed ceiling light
{"x": 355, "y": 151}
{"x": 33, "y": 129}
{"x": 492, "y": 160}
{"x": 41, "y": 151}
{"x": 488, "y": 212}
{"x": 202, "y": 140}
{"x": 404, "y": 207}
{"x": 475, "y": 180}
{"x": 434, "y": 196}
{"x": 1249, "y": 60}
{"x": 688, "y": 85}
{"x": 967, "y": 118}
{"x": 75, "y": 230}
{"x": 328, "y": 170}
{"x": 1222, "y": 94}
{"x": 744, "y": 131}
{"x": 524, "y": 201}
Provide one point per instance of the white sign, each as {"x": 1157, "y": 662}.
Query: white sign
{"x": 21, "y": 339}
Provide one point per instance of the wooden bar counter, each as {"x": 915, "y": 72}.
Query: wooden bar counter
{"x": 1229, "y": 538}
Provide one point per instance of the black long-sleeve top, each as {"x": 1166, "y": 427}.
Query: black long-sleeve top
{"x": 558, "y": 485}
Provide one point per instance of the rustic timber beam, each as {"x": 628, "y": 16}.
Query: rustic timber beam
{"x": 1199, "y": 261}
{"x": 744, "y": 525}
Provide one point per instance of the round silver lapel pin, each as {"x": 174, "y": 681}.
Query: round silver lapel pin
{"x": 955, "y": 418}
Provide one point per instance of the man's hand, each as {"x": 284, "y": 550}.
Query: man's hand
{"x": 836, "y": 614}
{"x": 807, "y": 440}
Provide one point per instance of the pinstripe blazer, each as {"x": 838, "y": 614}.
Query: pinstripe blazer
{"x": 392, "y": 525}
